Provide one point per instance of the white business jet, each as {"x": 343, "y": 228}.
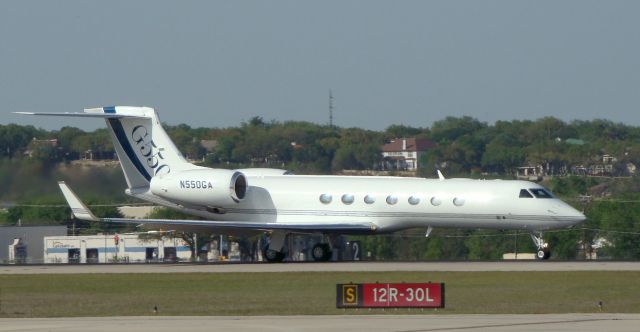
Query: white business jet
{"x": 280, "y": 203}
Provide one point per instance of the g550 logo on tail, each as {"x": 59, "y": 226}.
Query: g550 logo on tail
{"x": 149, "y": 150}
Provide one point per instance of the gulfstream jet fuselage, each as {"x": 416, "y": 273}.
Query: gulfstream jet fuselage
{"x": 275, "y": 201}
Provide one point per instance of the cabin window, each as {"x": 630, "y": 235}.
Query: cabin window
{"x": 524, "y": 193}
{"x": 391, "y": 199}
{"x": 541, "y": 193}
{"x": 435, "y": 201}
{"x": 413, "y": 200}
{"x": 347, "y": 199}
{"x": 458, "y": 201}
{"x": 369, "y": 199}
{"x": 325, "y": 198}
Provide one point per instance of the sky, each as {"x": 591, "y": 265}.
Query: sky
{"x": 219, "y": 63}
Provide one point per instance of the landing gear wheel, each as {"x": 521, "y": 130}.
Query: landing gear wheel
{"x": 543, "y": 254}
{"x": 272, "y": 256}
{"x": 543, "y": 251}
{"x": 321, "y": 252}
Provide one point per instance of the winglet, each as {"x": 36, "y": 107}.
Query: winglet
{"x": 78, "y": 208}
{"x": 440, "y": 176}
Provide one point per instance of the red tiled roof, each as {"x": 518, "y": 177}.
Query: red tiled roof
{"x": 413, "y": 144}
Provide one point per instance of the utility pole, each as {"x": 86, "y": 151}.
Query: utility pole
{"x": 516, "y": 245}
{"x": 330, "y": 109}
{"x": 195, "y": 247}
{"x": 73, "y": 226}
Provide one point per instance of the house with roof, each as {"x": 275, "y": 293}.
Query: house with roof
{"x": 40, "y": 143}
{"x": 404, "y": 153}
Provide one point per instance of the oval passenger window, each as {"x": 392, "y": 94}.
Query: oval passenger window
{"x": 347, "y": 199}
{"x": 325, "y": 198}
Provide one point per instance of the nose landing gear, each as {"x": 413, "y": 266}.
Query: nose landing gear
{"x": 543, "y": 252}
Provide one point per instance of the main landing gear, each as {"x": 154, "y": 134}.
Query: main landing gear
{"x": 272, "y": 256}
{"x": 543, "y": 252}
{"x": 274, "y": 252}
{"x": 321, "y": 252}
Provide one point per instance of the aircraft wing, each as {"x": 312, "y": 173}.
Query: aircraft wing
{"x": 364, "y": 227}
{"x": 81, "y": 212}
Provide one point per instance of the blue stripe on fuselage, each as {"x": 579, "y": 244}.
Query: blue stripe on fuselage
{"x": 116, "y": 125}
{"x": 109, "y": 109}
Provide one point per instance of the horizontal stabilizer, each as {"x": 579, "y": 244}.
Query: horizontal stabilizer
{"x": 80, "y": 115}
{"x": 108, "y": 112}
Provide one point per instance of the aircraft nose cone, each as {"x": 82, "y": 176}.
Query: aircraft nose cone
{"x": 568, "y": 214}
{"x": 576, "y": 216}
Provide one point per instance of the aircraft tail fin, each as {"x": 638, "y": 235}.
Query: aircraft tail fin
{"x": 142, "y": 145}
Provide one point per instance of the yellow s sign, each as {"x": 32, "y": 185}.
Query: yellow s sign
{"x": 349, "y": 295}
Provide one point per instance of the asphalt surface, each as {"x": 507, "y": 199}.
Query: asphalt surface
{"x": 370, "y": 323}
{"x": 319, "y": 267}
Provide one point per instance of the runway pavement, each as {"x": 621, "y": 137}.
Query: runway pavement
{"x": 319, "y": 267}
{"x": 371, "y": 323}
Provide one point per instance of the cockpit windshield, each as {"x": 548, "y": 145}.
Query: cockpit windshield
{"x": 524, "y": 193}
{"x": 540, "y": 193}
{"x": 537, "y": 192}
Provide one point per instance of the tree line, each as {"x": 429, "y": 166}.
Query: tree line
{"x": 464, "y": 145}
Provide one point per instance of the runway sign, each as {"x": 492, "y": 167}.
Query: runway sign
{"x": 396, "y": 295}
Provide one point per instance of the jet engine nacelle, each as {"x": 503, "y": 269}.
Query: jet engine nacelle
{"x": 204, "y": 187}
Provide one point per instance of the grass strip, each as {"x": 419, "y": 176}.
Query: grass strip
{"x": 309, "y": 293}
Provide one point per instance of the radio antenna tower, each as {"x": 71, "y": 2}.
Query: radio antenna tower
{"x": 330, "y": 109}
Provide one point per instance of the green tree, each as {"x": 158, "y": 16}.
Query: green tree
{"x": 14, "y": 139}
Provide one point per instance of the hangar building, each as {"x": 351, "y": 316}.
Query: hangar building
{"x": 113, "y": 248}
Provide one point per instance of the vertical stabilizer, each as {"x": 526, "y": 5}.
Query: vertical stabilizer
{"x": 142, "y": 145}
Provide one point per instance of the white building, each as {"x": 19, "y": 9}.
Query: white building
{"x": 110, "y": 248}
{"x": 404, "y": 153}
{"x": 137, "y": 212}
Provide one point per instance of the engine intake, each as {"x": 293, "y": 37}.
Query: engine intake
{"x": 238, "y": 186}
{"x": 204, "y": 187}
